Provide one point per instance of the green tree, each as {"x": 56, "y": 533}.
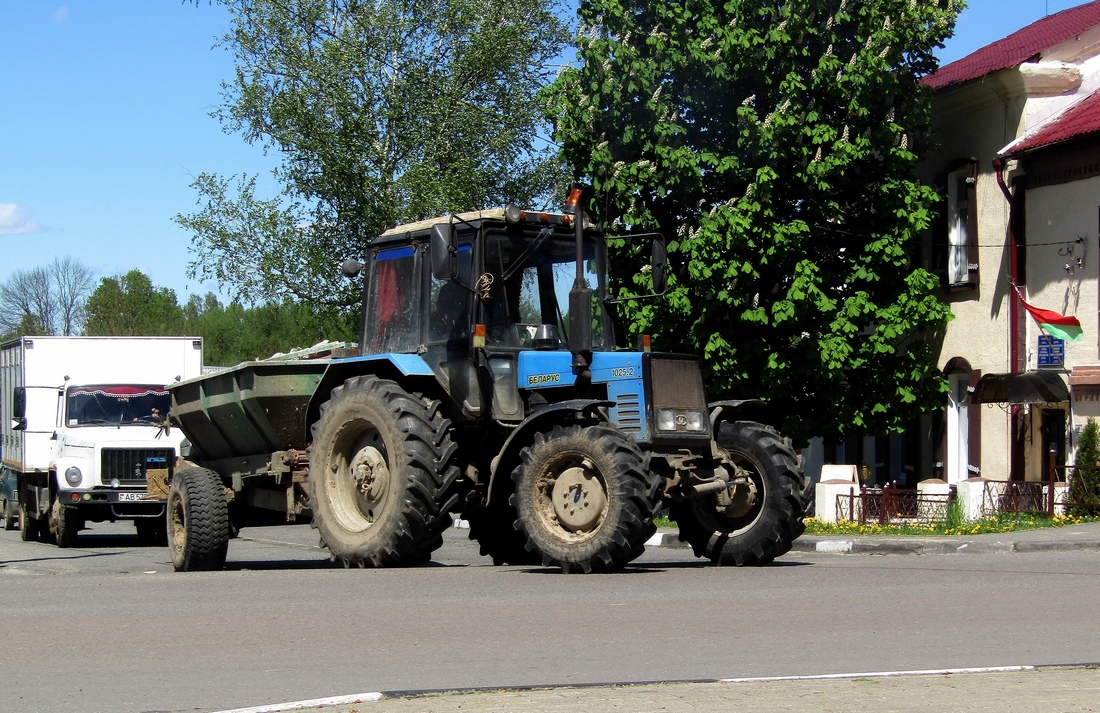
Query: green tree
{"x": 129, "y": 305}
{"x": 382, "y": 112}
{"x": 773, "y": 143}
{"x": 1084, "y": 484}
{"x": 234, "y": 333}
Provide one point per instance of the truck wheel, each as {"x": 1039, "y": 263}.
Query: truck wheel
{"x": 197, "y": 521}
{"x": 11, "y": 514}
{"x": 494, "y": 529}
{"x": 28, "y": 526}
{"x": 585, "y": 498}
{"x": 380, "y": 474}
{"x": 759, "y": 527}
{"x": 68, "y": 522}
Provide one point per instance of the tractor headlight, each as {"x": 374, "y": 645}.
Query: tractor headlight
{"x": 681, "y": 420}
{"x": 73, "y": 476}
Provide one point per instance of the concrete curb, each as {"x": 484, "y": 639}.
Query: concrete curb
{"x": 923, "y": 546}
{"x": 893, "y": 545}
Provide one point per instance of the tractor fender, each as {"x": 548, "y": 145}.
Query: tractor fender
{"x": 408, "y": 370}
{"x": 740, "y": 409}
{"x": 542, "y": 420}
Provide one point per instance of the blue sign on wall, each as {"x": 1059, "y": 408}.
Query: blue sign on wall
{"x": 1051, "y": 352}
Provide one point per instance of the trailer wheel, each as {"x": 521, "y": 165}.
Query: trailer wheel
{"x": 68, "y": 522}
{"x": 762, "y": 521}
{"x": 28, "y": 526}
{"x": 380, "y": 473}
{"x": 197, "y": 521}
{"x": 585, "y": 498}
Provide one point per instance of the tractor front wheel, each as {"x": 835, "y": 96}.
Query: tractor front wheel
{"x": 585, "y": 498}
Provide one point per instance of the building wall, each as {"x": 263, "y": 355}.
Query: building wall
{"x": 976, "y": 121}
{"x": 1057, "y": 217}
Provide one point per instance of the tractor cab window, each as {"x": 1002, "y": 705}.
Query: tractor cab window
{"x": 393, "y": 303}
{"x": 528, "y": 305}
{"x": 116, "y": 405}
{"x": 449, "y": 320}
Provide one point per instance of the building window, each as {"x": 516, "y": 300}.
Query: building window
{"x": 958, "y": 215}
{"x": 957, "y": 233}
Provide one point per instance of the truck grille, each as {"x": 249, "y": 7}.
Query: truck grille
{"x": 676, "y": 383}
{"x": 130, "y": 465}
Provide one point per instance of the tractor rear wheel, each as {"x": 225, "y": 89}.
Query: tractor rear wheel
{"x": 197, "y": 521}
{"x": 765, "y": 516}
{"x": 585, "y": 498}
{"x": 381, "y": 474}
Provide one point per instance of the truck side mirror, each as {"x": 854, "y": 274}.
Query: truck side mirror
{"x": 659, "y": 266}
{"x": 443, "y": 251}
{"x": 19, "y": 423}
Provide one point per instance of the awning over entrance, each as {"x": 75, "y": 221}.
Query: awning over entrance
{"x": 1029, "y": 387}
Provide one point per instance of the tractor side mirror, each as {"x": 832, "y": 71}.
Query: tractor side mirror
{"x": 443, "y": 251}
{"x": 660, "y": 266}
{"x": 351, "y": 267}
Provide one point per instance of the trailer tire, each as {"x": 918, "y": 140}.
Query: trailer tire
{"x": 381, "y": 476}
{"x": 768, "y": 525}
{"x": 585, "y": 498}
{"x": 68, "y": 522}
{"x": 28, "y": 526}
{"x": 197, "y": 521}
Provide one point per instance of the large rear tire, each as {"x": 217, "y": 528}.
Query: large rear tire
{"x": 197, "y": 521}
{"x": 381, "y": 475}
{"x": 764, "y": 520}
{"x": 585, "y": 498}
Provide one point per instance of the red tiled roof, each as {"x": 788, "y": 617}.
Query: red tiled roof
{"x": 1018, "y": 47}
{"x": 1079, "y": 119}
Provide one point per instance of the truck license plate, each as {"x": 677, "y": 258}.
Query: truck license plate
{"x": 130, "y": 497}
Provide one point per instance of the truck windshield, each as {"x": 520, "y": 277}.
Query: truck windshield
{"x": 124, "y": 405}
{"x": 532, "y": 275}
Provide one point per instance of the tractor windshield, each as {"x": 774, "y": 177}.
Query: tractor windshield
{"x": 532, "y": 273}
{"x": 116, "y": 405}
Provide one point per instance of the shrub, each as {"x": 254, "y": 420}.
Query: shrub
{"x": 1084, "y": 485}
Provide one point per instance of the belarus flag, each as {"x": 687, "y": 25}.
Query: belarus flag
{"x": 1056, "y": 325}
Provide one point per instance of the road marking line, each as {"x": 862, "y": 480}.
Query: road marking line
{"x": 882, "y": 674}
{"x": 315, "y": 703}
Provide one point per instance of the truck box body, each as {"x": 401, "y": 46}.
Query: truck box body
{"x": 84, "y": 405}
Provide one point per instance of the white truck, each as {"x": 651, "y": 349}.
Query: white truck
{"x": 85, "y": 431}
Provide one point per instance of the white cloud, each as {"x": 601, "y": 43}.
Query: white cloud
{"x": 15, "y": 220}
{"x": 61, "y": 14}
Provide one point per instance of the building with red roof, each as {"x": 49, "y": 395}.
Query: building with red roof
{"x": 1018, "y": 165}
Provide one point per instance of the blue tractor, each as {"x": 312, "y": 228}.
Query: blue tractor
{"x": 488, "y": 386}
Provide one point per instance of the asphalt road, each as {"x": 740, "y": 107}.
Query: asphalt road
{"x": 109, "y": 627}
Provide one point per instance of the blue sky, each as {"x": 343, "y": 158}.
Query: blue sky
{"x": 105, "y": 121}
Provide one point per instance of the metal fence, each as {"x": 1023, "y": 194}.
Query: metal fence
{"x": 892, "y": 505}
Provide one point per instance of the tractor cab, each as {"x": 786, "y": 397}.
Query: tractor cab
{"x": 471, "y": 292}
